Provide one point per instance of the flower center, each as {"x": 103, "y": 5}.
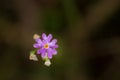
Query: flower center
{"x": 46, "y": 46}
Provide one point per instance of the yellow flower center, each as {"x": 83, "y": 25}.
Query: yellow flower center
{"x": 46, "y": 46}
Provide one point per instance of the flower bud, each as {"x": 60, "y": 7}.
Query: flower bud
{"x": 33, "y": 57}
{"x": 36, "y": 36}
{"x": 47, "y": 62}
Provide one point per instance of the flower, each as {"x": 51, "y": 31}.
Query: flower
{"x": 46, "y": 47}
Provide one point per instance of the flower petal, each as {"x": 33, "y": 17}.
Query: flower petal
{"x": 44, "y": 42}
{"x": 38, "y": 40}
{"x": 49, "y": 37}
{"x": 55, "y": 46}
{"x": 53, "y": 42}
{"x": 43, "y": 53}
{"x": 36, "y": 45}
{"x": 54, "y": 52}
{"x": 44, "y": 36}
{"x": 49, "y": 53}
{"x": 38, "y": 51}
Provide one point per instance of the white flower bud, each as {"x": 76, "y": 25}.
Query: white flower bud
{"x": 33, "y": 57}
{"x": 36, "y": 36}
{"x": 47, "y": 63}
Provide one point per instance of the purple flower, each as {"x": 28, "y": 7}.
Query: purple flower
{"x": 45, "y": 46}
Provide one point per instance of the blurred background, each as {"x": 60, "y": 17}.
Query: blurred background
{"x": 88, "y": 33}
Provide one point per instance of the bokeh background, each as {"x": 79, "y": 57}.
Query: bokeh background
{"x": 88, "y": 33}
